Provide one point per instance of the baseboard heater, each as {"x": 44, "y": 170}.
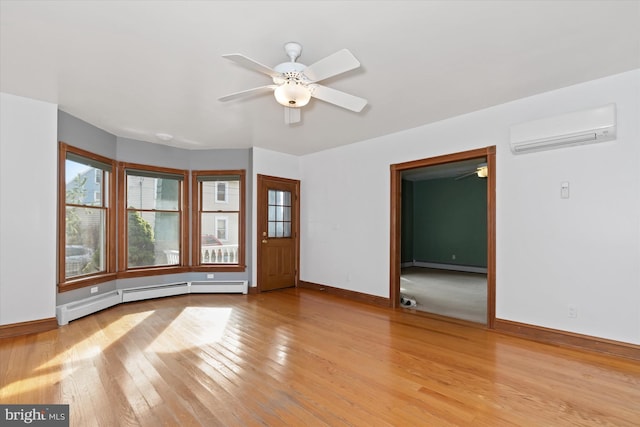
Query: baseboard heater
{"x": 153, "y": 291}
{"x": 65, "y": 313}
{"x": 74, "y": 310}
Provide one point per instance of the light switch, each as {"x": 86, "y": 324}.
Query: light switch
{"x": 564, "y": 190}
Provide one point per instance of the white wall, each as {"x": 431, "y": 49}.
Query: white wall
{"x": 551, "y": 252}
{"x": 273, "y": 163}
{"x": 27, "y": 209}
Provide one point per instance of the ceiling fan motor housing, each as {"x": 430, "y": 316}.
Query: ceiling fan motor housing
{"x": 292, "y": 90}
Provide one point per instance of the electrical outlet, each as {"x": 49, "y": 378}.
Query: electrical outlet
{"x": 573, "y": 311}
{"x": 209, "y": 275}
{"x": 94, "y": 290}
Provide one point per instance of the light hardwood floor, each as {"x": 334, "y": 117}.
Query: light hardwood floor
{"x": 304, "y": 358}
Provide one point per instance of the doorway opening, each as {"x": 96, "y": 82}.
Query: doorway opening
{"x": 443, "y": 235}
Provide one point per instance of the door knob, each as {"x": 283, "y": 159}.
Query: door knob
{"x": 264, "y": 240}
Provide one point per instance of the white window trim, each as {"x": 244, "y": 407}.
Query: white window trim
{"x": 226, "y": 192}
{"x": 226, "y": 228}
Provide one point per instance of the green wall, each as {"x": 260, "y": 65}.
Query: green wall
{"x": 445, "y": 217}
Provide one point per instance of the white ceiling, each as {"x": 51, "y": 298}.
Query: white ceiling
{"x": 137, "y": 68}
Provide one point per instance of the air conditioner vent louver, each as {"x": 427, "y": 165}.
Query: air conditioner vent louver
{"x": 578, "y": 128}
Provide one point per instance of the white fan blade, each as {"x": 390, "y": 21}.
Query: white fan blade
{"x": 291, "y": 115}
{"x": 251, "y": 64}
{"x": 341, "y": 99}
{"x": 337, "y": 63}
{"x": 248, "y": 92}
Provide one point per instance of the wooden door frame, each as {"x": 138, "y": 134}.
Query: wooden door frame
{"x": 261, "y": 201}
{"x": 396, "y": 226}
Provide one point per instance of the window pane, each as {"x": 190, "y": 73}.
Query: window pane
{"x": 153, "y": 238}
{"x": 81, "y": 184}
{"x": 144, "y": 192}
{"x": 85, "y": 242}
{"x": 221, "y": 195}
{"x": 219, "y": 239}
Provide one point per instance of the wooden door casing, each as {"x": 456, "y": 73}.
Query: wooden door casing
{"x": 278, "y": 257}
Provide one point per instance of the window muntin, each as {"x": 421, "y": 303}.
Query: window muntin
{"x": 154, "y": 217}
{"x": 86, "y": 220}
{"x": 218, "y": 219}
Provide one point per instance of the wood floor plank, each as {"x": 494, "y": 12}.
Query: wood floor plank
{"x": 301, "y": 357}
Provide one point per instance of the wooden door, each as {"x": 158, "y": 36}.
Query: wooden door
{"x": 278, "y": 232}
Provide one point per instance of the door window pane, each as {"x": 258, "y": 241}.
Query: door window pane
{"x": 279, "y": 214}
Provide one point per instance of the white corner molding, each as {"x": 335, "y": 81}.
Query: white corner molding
{"x": 571, "y": 129}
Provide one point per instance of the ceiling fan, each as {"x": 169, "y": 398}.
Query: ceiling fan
{"x": 294, "y": 83}
{"x": 481, "y": 171}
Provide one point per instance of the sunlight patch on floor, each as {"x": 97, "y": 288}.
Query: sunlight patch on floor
{"x": 195, "y": 326}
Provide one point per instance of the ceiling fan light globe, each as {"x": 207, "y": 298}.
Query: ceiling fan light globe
{"x": 292, "y": 94}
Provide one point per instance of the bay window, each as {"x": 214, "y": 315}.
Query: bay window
{"x": 154, "y": 225}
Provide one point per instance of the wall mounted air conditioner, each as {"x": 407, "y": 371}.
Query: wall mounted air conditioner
{"x": 578, "y": 128}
